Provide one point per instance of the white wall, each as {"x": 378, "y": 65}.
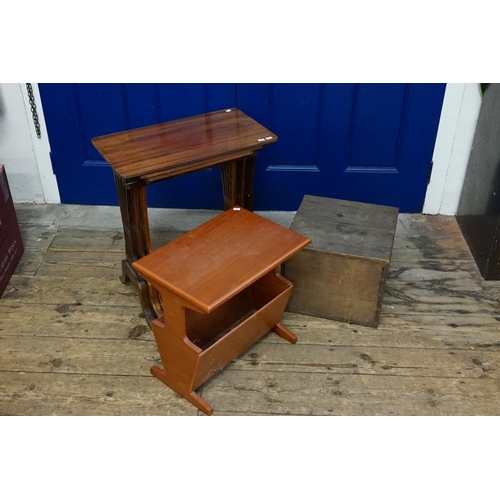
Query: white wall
{"x": 457, "y": 125}
{"x": 26, "y": 158}
{"x": 16, "y": 146}
{"x": 31, "y": 178}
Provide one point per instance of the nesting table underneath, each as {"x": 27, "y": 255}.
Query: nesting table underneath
{"x": 147, "y": 155}
{"x": 221, "y": 292}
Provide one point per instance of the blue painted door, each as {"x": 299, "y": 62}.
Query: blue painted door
{"x": 75, "y": 113}
{"x": 363, "y": 142}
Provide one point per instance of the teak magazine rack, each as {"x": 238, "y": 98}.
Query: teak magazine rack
{"x": 221, "y": 292}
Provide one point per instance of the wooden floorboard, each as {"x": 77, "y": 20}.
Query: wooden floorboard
{"x": 350, "y": 394}
{"x": 74, "y": 341}
{"x": 23, "y": 393}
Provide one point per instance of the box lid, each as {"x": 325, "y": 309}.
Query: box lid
{"x": 215, "y": 261}
{"x": 347, "y": 227}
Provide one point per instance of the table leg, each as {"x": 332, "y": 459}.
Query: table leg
{"x": 192, "y": 397}
{"x": 134, "y": 212}
{"x": 237, "y": 182}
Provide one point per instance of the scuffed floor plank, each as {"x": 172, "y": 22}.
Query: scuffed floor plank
{"x": 91, "y": 356}
{"x": 37, "y": 236}
{"x": 409, "y": 330}
{"x": 404, "y": 362}
{"x": 71, "y": 320}
{"x": 134, "y": 357}
{"x": 82, "y": 264}
{"x": 406, "y": 299}
{"x": 30, "y": 262}
{"x": 89, "y": 240}
{"x": 339, "y": 394}
{"x": 66, "y": 394}
{"x": 75, "y": 239}
{"x": 100, "y": 322}
{"x": 54, "y": 290}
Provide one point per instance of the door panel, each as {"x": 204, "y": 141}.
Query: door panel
{"x": 377, "y": 120}
{"x": 297, "y": 118}
{"x": 363, "y": 142}
{"x": 75, "y": 113}
{"x": 288, "y": 169}
{"x": 401, "y": 182}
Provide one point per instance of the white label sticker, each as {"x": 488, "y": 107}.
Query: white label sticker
{"x": 236, "y": 208}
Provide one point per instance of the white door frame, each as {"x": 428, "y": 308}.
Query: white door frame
{"x": 457, "y": 126}
{"x": 41, "y": 147}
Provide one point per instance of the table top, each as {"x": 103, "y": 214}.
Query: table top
{"x": 180, "y": 146}
{"x": 347, "y": 227}
{"x": 215, "y": 261}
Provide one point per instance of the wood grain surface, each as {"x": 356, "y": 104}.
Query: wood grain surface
{"x": 173, "y": 148}
{"x": 436, "y": 350}
{"x": 342, "y": 274}
{"x": 347, "y": 227}
{"x": 220, "y": 258}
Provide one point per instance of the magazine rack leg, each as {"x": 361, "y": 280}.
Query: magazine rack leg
{"x": 192, "y": 397}
{"x": 179, "y": 356}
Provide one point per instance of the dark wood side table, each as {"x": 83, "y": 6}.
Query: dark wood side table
{"x": 222, "y": 292}
{"x": 142, "y": 156}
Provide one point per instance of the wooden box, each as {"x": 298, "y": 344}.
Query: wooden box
{"x": 11, "y": 243}
{"x": 341, "y": 275}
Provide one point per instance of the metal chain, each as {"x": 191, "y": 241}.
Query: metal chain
{"x": 33, "y": 109}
